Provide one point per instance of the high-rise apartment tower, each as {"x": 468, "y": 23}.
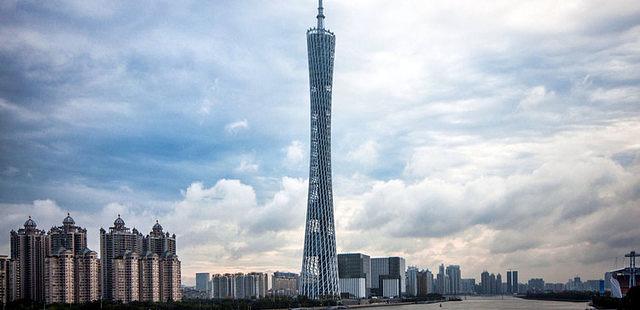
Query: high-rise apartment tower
{"x": 28, "y": 250}
{"x": 71, "y": 270}
{"x": 114, "y": 246}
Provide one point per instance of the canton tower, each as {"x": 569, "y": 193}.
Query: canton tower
{"x": 319, "y": 276}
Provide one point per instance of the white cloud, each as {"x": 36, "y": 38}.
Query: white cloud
{"x": 365, "y": 154}
{"x": 625, "y": 95}
{"x": 294, "y": 153}
{"x": 247, "y": 165}
{"x": 219, "y": 228}
{"x": 237, "y": 126}
{"x": 535, "y": 97}
{"x": 535, "y": 197}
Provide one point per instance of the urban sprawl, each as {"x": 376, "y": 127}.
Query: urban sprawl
{"x": 362, "y": 277}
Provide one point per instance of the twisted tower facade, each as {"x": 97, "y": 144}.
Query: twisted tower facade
{"x": 319, "y": 276}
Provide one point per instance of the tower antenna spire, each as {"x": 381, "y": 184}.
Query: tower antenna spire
{"x": 320, "y": 15}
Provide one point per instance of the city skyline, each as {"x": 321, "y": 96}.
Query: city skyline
{"x": 492, "y": 136}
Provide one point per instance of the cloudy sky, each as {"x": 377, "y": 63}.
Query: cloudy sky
{"x": 494, "y": 136}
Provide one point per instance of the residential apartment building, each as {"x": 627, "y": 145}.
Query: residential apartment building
{"x": 284, "y": 284}
{"x": 28, "y": 250}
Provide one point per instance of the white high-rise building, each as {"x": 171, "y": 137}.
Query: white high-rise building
{"x": 429, "y": 282}
{"x": 412, "y": 281}
{"x": 252, "y": 285}
{"x": 223, "y": 286}
{"x": 453, "y": 274}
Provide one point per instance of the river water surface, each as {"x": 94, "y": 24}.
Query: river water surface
{"x": 498, "y": 304}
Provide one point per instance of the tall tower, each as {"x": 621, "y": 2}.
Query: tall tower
{"x": 28, "y": 250}
{"x": 118, "y": 248}
{"x": 319, "y": 276}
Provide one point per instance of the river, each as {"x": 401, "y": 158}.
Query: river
{"x": 509, "y": 303}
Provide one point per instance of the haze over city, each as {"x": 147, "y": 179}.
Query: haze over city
{"x": 493, "y": 136}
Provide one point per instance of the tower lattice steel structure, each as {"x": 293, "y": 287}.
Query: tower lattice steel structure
{"x": 319, "y": 276}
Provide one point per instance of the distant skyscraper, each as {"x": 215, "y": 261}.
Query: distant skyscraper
{"x": 574, "y": 284}
{"x": 498, "y": 284}
{"x": 512, "y": 282}
{"x": 223, "y": 286}
{"x": 258, "y": 285}
{"x": 28, "y": 250}
{"x": 383, "y": 271}
{"x": 239, "y": 286}
{"x": 419, "y": 282}
{"x": 425, "y": 282}
{"x": 354, "y": 272}
{"x": 412, "y": 280}
{"x": 467, "y": 286}
{"x": 441, "y": 281}
{"x": 485, "y": 283}
{"x": 319, "y": 276}
{"x": 492, "y": 284}
{"x": 453, "y": 273}
{"x": 202, "y": 281}
{"x": 379, "y": 267}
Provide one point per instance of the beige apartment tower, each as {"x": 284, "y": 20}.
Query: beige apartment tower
{"x": 171, "y": 278}
{"x": 137, "y": 267}
{"x": 126, "y": 278}
{"x": 72, "y": 271}
{"x": 150, "y": 277}
{"x": 87, "y": 274}
{"x": 59, "y": 278}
